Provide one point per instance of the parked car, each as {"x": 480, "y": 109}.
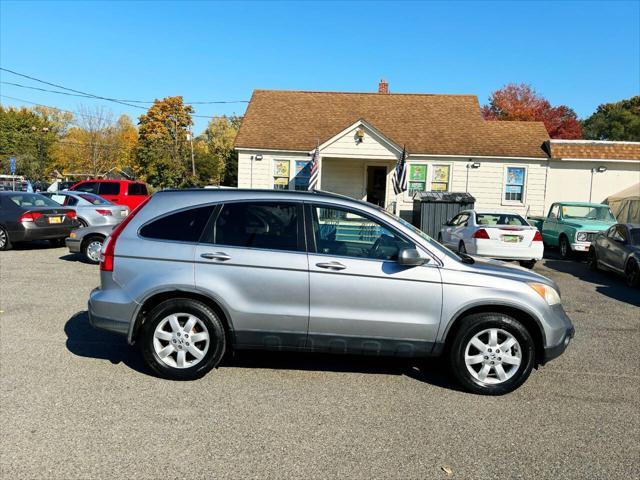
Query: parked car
{"x": 91, "y": 209}
{"x": 120, "y": 192}
{"x": 193, "y": 273}
{"x": 88, "y": 241}
{"x": 618, "y": 250}
{"x": 30, "y": 216}
{"x": 501, "y": 235}
{"x": 572, "y": 226}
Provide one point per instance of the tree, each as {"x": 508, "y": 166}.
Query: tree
{"x": 220, "y": 136}
{"x": 521, "y": 102}
{"x": 614, "y": 121}
{"x": 163, "y": 152}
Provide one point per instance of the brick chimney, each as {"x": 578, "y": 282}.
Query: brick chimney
{"x": 383, "y": 86}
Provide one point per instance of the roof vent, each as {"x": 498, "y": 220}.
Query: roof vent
{"x": 383, "y": 86}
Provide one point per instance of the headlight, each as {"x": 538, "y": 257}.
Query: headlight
{"x": 582, "y": 236}
{"x": 550, "y": 294}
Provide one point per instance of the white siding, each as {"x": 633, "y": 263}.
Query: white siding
{"x": 570, "y": 181}
{"x": 263, "y": 169}
{"x": 372, "y": 147}
{"x": 343, "y": 176}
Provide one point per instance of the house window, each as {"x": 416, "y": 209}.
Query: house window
{"x": 440, "y": 178}
{"x": 302, "y": 174}
{"x": 281, "y": 174}
{"x": 417, "y": 178}
{"x": 514, "y": 184}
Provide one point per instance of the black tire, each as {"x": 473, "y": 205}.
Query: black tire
{"x": 565, "y": 248}
{"x": 210, "y": 320}
{"x": 5, "y": 241}
{"x": 461, "y": 247}
{"x": 528, "y": 264}
{"x": 632, "y": 274}
{"x": 592, "y": 259}
{"x": 57, "y": 242}
{"x": 85, "y": 248}
{"x": 474, "y": 324}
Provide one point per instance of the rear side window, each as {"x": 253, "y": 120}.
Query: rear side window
{"x": 94, "y": 199}
{"x": 137, "y": 189}
{"x": 91, "y": 187}
{"x": 271, "y": 226}
{"x": 182, "y": 226}
{"x": 109, "y": 188}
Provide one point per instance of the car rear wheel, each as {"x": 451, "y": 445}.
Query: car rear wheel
{"x": 183, "y": 339}
{"x": 492, "y": 354}
{"x": 91, "y": 249}
{"x": 5, "y": 242}
{"x": 592, "y": 259}
{"x": 632, "y": 274}
{"x": 565, "y": 248}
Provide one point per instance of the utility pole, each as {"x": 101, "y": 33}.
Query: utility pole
{"x": 193, "y": 161}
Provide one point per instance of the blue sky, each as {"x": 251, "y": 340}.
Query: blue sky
{"x": 580, "y": 54}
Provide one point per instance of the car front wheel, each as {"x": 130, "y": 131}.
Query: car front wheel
{"x": 5, "y": 243}
{"x": 592, "y": 259}
{"x": 565, "y": 248}
{"x": 492, "y": 354}
{"x": 632, "y": 273}
{"x": 91, "y": 249}
{"x": 183, "y": 339}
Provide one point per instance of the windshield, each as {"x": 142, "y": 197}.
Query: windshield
{"x": 422, "y": 235}
{"x": 28, "y": 200}
{"x": 587, "y": 212}
{"x": 500, "y": 219}
{"x": 94, "y": 199}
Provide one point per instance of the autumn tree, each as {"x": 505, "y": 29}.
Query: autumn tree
{"x": 614, "y": 121}
{"x": 521, "y": 102}
{"x": 219, "y": 137}
{"x": 163, "y": 152}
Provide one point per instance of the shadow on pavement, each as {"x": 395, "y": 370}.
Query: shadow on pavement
{"x": 608, "y": 284}
{"x": 85, "y": 341}
{"x": 35, "y": 245}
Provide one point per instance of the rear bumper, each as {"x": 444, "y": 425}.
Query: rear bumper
{"x": 111, "y": 310}
{"x": 27, "y": 234}
{"x": 505, "y": 251}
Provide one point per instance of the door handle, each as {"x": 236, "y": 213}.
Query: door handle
{"x": 331, "y": 265}
{"x": 216, "y": 256}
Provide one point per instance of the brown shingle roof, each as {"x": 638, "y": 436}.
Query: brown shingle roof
{"x": 426, "y": 124}
{"x": 595, "y": 149}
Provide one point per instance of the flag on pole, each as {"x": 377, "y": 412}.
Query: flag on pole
{"x": 400, "y": 174}
{"x": 315, "y": 168}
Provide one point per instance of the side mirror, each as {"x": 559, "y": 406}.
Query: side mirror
{"x": 410, "y": 257}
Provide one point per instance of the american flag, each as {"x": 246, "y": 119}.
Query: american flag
{"x": 400, "y": 174}
{"x": 315, "y": 169}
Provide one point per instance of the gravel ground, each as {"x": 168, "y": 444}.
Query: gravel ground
{"x": 79, "y": 403}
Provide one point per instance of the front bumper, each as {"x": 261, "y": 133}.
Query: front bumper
{"x": 560, "y": 337}
{"x": 580, "y": 246}
{"x": 73, "y": 244}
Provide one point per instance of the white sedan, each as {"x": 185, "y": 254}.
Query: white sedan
{"x": 501, "y": 235}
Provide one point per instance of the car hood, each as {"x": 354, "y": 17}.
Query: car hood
{"x": 496, "y": 268}
{"x": 596, "y": 225}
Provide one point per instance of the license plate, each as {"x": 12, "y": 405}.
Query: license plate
{"x": 511, "y": 238}
{"x": 55, "y": 219}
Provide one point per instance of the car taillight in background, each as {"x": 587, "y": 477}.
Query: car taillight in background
{"x": 29, "y": 216}
{"x": 482, "y": 233}
{"x": 109, "y": 246}
{"x": 106, "y": 213}
{"x": 537, "y": 237}
{"x": 71, "y": 214}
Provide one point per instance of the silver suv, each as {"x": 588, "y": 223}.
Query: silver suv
{"x": 192, "y": 273}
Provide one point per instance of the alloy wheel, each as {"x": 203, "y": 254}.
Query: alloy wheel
{"x": 3, "y": 239}
{"x": 493, "y": 356}
{"x": 93, "y": 250}
{"x": 181, "y": 340}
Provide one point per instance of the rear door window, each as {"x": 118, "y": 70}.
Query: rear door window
{"x": 137, "y": 189}
{"x": 109, "y": 188}
{"x": 269, "y": 225}
{"x": 182, "y": 226}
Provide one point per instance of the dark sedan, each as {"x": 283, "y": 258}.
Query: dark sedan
{"x": 618, "y": 249}
{"x": 30, "y": 216}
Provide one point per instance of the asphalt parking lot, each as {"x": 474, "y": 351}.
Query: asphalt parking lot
{"x": 79, "y": 403}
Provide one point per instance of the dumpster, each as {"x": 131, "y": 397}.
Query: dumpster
{"x": 431, "y": 210}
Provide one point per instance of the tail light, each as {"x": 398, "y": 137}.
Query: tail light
{"x": 29, "y": 216}
{"x": 482, "y": 233}
{"x": 537, "y": 237}
{"x": 71, "y": 214}
{"x": 109, "y": 247}
{"x": 101, "y": 211}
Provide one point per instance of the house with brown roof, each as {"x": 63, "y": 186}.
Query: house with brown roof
{"x": 360, "y": 137}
